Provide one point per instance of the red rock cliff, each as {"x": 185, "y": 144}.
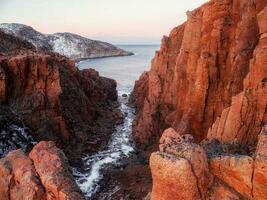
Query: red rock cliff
{"x": 220, "y": 100}
{"x": 199, "y": 68}
{"x": 58, "y": 101}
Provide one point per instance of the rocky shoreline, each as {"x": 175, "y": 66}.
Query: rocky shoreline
{"x": 68, "y": 44}
{"x": 47, "y": 95}
{"x": 200, "y": 130}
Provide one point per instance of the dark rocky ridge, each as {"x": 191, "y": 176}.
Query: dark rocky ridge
{"x": 57, "y": 101}
{"x": 68, "y": 44}
{"x": 9, "y": 43}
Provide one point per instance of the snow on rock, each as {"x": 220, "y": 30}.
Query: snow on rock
{"x": 67, "y": 44}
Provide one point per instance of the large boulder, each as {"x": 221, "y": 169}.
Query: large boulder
{"x": 52, "y": 167}
{"x": 44, "y": 175}
{"x": 18, "y": 178}
{"x": 180, "y": 169}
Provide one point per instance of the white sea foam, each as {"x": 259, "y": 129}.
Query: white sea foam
{"x": 119, "y": 146}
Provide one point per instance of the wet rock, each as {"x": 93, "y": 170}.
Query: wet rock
{"x": 13, "y": 134}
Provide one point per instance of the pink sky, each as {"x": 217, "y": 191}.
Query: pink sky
{"x": 115, "y": 21}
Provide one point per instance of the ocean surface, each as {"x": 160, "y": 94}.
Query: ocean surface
{"x": 125, "y": 70}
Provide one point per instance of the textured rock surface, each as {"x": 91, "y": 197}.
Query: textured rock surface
{"x": 67, "y": 44}
{"x": 235, "y": 171}
{"x": 57, "y": 101}
{"x": 209, "y": 81}
{"x": 9, "y": 43}
{"x": 220, "y": 191}
{"x": 141, "y": 88}
{"x": 43, "y": 176}
{"x": 179, "y": 170}
{"x": 52, "y": 167}
{"x": 260, "y": 167}
{"x": 243, "y": 120}
{"x": 201, "y": 66}
{"x": 18, "y": 179}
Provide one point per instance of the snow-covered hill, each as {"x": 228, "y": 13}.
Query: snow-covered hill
{"x": 67, "y": 44}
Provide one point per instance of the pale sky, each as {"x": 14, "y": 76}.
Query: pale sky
{"x": 115, "y": 21}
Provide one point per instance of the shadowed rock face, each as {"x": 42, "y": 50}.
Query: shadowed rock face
{"x": 44, "y": 175}
{"x": 67, "y": 44}
{"x": 9, "y": 43}
{"x": 57, "y": 101}
{"x": 200, "y": 67}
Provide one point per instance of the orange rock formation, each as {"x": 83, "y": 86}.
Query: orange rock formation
{"x": 44, "y": 175}
{"x": 209, "y": 80}
{"x": 200, "y": 68}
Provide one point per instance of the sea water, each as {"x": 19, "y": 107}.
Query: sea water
{"x": 125, "y": 70}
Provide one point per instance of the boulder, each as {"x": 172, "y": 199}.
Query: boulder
{"x": 18, "y": 178}
{"x": 44, "y": 175}
{"x": 180, "y": 169}
{"x": 52, "y": 167}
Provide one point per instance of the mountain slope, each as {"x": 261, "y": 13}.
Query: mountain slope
{"x": 9, "y": 43}
{"x": 67, "y": 44}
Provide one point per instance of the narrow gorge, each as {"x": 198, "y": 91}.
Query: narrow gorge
{"x": 192, "y": 127}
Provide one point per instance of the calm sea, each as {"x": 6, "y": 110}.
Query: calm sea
{"x": 125, "y": 70}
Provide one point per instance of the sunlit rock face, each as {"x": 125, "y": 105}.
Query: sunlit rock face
{"x": 243, "y": 120}
{"x": 44, "y": 175}
{"x": 200, "y": 67}
{"x": 208, "y": 82}
{"x": 180, "y": 169}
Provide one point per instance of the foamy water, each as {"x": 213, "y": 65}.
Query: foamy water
{"x": 125, "y": 70}
{"x": 119, "y": 147}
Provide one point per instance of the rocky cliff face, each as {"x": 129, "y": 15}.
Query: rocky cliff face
{"x": 182, "y": 170}
{"x": 43, "y": 175}
{"x": 9, "y": 43}
{"x": 57, "y": 101}
{"x": 67, "y": 44}
{"x": 199, "y": 68}
{"x": 208, "y": 82}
